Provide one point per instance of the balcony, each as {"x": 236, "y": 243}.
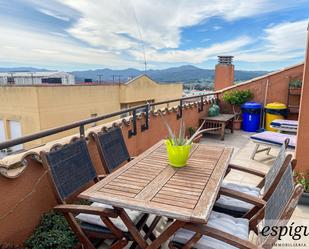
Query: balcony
{"x": 27, "y": 193}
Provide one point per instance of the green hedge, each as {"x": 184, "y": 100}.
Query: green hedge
{"x": 53, "y": 232}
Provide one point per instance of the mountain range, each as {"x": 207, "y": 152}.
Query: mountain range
{"x": 185, "y": 74}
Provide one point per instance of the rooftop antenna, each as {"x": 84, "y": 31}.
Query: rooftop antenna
{"x": 100, "y": 77}
{"x": 140, "y": 36}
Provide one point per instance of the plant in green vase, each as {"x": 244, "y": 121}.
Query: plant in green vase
{"x": 178, "y": 147}
{"x": 236, "y": 98}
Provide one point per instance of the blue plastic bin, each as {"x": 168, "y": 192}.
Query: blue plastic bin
{"x": 251, "y": 115}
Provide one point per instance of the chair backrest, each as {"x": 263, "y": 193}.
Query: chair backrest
{"x": 70, "y": 168}
{"x": 280, "y": 197}
{"x": 277, "y": 166}
{"x": 112, "y": 149}
{"x": 280, "y": 207}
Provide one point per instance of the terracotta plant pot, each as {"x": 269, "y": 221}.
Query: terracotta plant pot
{"x": 295, "y": 91}
{"x": 237, "y": 124}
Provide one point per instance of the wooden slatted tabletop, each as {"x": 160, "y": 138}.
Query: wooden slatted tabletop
{"x": 149, "y": 184}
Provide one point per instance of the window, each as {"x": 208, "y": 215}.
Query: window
{"x": 11, "y": 80}
{"x": 52, "y": 80}
{"x": 2, "y": 131}
{"x": 15, "y": 132}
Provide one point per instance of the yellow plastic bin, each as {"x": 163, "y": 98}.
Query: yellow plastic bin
{"x": 274, "y": 111}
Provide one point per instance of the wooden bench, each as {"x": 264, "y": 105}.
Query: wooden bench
{"x": 222, "y": 121}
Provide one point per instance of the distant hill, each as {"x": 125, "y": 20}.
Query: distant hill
{"x": 185, "y": 74}
{"x": 22, "y": 69}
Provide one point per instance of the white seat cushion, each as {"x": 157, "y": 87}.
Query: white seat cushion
{"x": 235, "y": 204}
{"x": 238, "y": 227}
{"x": 96, "y": 220}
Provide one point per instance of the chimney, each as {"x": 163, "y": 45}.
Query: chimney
{"x": 224, "y": 74}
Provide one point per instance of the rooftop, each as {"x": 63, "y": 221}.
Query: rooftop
{"x": 28, "y": 193}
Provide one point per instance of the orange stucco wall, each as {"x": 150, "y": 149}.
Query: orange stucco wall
{"x": 303, "y": 129}
{"x": 224, "y": 76}
{"x": 277, "y": 90}
{"x": 19, "y": 216}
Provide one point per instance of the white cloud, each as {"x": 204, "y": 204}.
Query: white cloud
{"x": 284, "y": 41}
{"x": 216, "y": 27}
{"x": 35, "y": 49}
{"x": 197, "y": 55}
{"x": 105, "y": 33}
{"x": 103, "y": 23}
{"x": 55, "y": 15}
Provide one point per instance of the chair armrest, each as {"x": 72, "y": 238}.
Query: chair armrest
{"x": 222, "y": 236}
{"x": 247, "y": 170}
{"x": 76, "y": 209}
{"x": 242, "y": 196}
{"x": 101, "y": 177}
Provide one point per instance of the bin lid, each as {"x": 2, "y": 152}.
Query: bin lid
{"x": 276, "y": 106}
{"x": 251, "y": 105}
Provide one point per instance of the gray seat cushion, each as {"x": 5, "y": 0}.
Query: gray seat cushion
{"x": 96, "y": 220}
{"x": 238, "y": 227}
{"x": 230, "y": 203}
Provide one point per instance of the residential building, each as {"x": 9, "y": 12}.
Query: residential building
{"x": 35, "y": 78}
{"x": 33, "y": 108}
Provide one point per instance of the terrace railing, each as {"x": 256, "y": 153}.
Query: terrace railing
{"x": 81, "y": 124}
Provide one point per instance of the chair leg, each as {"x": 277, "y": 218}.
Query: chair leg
{"x": 268, "y": 151}
{"x": 254, "y": 151}
{"x": 166, "y": 234}
{"x": 119, "y": 244}
{"x": 132, "y": 228}
{"x": 196, "y": 237}
{"x": 149, "y": 230}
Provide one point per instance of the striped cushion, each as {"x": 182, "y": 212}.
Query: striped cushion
{"x": 96, "y": 220}
{"x": 230, "y": 203}
{"x": 284, "y": 123}
{"x": 238, "y": 227}
{"x": 274, "y": 138}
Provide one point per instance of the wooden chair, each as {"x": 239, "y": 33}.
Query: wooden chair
{"x": 70, "y": 172}
{"x": 112, "y": 149}
{"x": 235, "y": 199}
{"x": 113, "y": 153}
{"x": 226, "y": 232}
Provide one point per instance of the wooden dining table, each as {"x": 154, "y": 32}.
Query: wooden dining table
{"x": 149, "y": 184}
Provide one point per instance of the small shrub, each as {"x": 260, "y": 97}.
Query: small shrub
{"x": 303, "y": 179}
{"x": 53, "y": 232}
{"x": 295, "y": 84}
{"x": 237, "y": 98}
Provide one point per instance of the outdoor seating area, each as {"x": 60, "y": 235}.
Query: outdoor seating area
{"x": 203, "y": 205}
{"x": 159, "y": 178}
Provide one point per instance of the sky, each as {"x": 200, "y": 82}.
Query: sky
{"x": 89, "y": 34}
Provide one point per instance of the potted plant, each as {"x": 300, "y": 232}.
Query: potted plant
{"x": 191, "y": 131}
{"x": 303, "y": 179}
{"x": 178, "y": 147}
{"x": 236, "y": 98}
{"x": 295, "y": 87}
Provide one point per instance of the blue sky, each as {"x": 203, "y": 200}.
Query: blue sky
{"x": 87, "y": 34}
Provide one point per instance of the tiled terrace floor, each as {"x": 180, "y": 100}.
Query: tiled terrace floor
{"x": 243, "y": 148}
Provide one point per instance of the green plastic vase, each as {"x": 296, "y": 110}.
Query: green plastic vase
{"x": 177, "y": 155}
